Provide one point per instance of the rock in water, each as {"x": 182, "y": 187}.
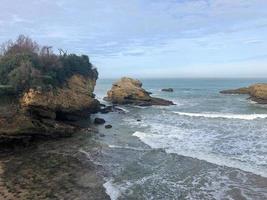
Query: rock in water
{"x": 130, "y": 91}
{"x": 243, "y": 90}
{"x": 108, "y": 126}
{"x": 257, "y": 92}
{"x": 99, "y": 121}
{"x": 167, "y": 90}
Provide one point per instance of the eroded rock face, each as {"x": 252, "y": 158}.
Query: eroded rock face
{"x": 76, "y": 96}
{"x": 257, "y": 92}
{"x": 51, "y": 113}
{"x": 130, "y": 91}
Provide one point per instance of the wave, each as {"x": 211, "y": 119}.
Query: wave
{"x": 226, "y": 116}
{"x": 123, "y": 109}
{"x": 171, "y": 145}
{"x": 112, "y": 190}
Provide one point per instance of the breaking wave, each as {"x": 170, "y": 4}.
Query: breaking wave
{"x": 226, "y": 116}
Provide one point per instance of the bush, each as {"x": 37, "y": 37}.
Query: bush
{"x": 24, "y": 64}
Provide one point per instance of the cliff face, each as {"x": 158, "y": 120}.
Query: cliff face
{"x": 130, "y": 91}
{"x": 77, "y": 95}
{"x": 52, "y": 112}
{"x": 257, "y": 92}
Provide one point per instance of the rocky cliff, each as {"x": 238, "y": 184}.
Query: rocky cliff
{"x": 130, "y": 91}
{"x": 50, "y": 112}
{"x": 257, "y": 92}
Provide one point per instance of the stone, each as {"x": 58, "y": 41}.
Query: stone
{"x": 108, "y": 126}
{"x": 99, "y": 121}
{"x": 167, "y": 90}
{"x": 130, "y": 91}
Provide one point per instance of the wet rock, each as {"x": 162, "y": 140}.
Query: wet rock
{"x": 108, "y": 126}
{"x": 167, "y": 90}
{"x": 130, "y": 91}
{"x": 243, "y": 90}
{"x": 106, "y": 109}
{"x": 99, "y": 121}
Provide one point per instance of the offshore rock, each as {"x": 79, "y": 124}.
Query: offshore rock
{"x": 257, "y": 92}
{"x": 167, "y": 90}
{"x": 130, "y": 91}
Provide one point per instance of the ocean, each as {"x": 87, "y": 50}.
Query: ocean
{"x": 207, "y": 146}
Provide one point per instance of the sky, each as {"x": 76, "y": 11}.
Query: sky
{"x": 149, "y": 38}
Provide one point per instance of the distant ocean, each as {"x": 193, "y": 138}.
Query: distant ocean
{"x": 207, "y": 146}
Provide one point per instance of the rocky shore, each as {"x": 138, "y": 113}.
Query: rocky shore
{"x": 130, "y": 91}
{"x": 53, "y": 169}
{"x": 59, "y": 168}
{"x": 257, "y": 92}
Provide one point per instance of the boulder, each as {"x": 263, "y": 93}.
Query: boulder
{"x": 130, "y": 91}
{"x": 108, "y": 126}
{"x": 257, "y": 92}
{"x": 167, "y": 90}
{"x": 99, "y": 121}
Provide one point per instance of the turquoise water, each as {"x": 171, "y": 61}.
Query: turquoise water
{"x": 207, "y": 146}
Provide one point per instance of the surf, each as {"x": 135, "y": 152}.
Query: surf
{"x": 225, "y": 116}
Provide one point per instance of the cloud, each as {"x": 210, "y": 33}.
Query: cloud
{"x": 145, "y": 32}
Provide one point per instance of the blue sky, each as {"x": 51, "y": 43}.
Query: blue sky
{"x": 149, "y": 38}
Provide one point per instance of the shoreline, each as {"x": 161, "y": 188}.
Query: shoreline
{"x": 54, "y": 169}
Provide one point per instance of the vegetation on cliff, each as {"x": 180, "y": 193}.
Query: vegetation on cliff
{"x": 25, "y": 64}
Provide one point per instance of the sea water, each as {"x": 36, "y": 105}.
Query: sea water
{"x": 207, "y": 146}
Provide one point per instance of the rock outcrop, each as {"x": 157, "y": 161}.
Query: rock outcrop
{"x": 74, "y": 100}
{"x": 51, "y": 112}
{"x": 257, "y": 92}
{"x": 130, "y": 91}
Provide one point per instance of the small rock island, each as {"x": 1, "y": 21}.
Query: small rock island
{"x": 167, "y": 90}
{"x": 49, "y": 92}
{"x": 257, "y": 92}
{"x": 130, "y": 91}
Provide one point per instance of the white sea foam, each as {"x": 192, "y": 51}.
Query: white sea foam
{"x": 123, "y": 109}
{"x": 198, "y": 147}
{"x": 126, "y": 147}
{"x": 226, "y": 116}
{"x": 112, "y": 190}
{"x": 141, "y": 107}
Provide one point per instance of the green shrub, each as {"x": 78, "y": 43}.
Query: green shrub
{"x": 24, "y": 64}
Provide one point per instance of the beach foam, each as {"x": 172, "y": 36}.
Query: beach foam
{"x": 175, "y": 143}
{"x": 123, "y": 109}
{"x": 226, "y": 116}
{"x": 126, "y": 147}
{"x": 112, "y": 190}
